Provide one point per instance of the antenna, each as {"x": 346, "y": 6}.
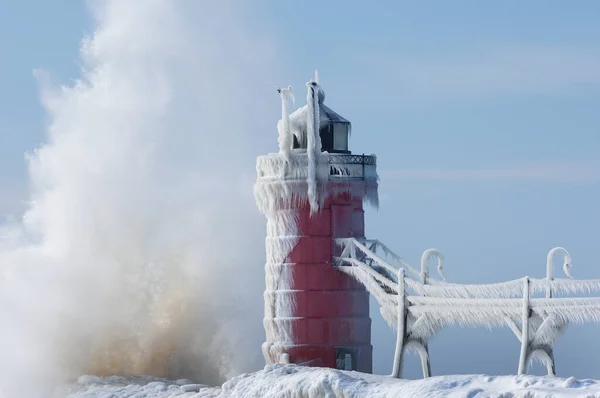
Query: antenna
{"x": 317, "y": 76}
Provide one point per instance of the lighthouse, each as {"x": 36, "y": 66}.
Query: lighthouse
{"x": 312, "y": 192}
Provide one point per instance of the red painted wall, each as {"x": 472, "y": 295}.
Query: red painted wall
{"x": 331, "y": 311}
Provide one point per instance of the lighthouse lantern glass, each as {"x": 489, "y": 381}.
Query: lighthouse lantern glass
{"x": 340, "y": 136}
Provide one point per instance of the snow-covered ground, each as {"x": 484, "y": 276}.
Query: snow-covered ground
{"x": 296, "y": 381}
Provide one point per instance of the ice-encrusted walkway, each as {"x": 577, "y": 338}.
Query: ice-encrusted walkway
{"x": 419, "y": 308}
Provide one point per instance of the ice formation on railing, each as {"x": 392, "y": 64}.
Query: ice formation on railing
{"x": 418, "y": 307}
{"x": 313, "y": 143}
{"x": 283, "y": 126}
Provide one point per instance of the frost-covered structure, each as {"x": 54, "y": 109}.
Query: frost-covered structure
{"x": 320, "y": 266}
{"x": 312, "y": 192}
{"x": 418, "y": 306}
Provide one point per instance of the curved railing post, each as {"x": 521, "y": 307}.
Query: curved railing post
{"x": 550, "y": 267}
{"x": 427, "y": 255}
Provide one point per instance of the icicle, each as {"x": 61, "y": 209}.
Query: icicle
{"x": 313, "y": 146}
{"x": 283, "y": 127}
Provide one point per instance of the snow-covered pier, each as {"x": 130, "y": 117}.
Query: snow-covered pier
{"x": 418, "y": 306}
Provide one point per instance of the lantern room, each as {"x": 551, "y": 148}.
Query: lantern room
{"x": 334, "y": 129}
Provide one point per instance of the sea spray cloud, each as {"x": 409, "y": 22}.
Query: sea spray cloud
{"x": 141, "y": 250}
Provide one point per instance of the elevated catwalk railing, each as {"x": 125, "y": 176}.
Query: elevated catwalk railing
{"x": 418, "y": 306}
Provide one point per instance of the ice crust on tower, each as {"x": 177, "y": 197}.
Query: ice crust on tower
{"x": 292, "y": 179}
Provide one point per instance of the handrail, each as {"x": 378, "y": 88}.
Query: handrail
{"x": 431, "y": 305}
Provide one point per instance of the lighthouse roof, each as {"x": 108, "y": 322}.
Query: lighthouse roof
{"x": 326, "y": 115}
{"x": 330, "y": 115}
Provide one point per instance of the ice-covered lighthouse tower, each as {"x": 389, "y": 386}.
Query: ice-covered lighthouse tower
{"x": 311, "y": 193}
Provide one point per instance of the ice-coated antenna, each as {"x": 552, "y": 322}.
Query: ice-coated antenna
{"x": 317, "y": 76}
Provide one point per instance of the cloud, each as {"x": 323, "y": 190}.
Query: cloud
{"x": 496, "y": 72}
{"x": 559, "y": 172}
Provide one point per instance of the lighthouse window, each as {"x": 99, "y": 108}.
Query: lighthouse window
{"x": 296, "y": 144}
{"x": 326, "y": 134}
{"x": 334, "y": 137}
{"x": 340, "y": 137}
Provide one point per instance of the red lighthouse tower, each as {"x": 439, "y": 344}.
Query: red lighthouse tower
{"x": 312, "y": 192}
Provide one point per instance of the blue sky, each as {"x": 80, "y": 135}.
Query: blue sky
{"x": 484, "y": 117}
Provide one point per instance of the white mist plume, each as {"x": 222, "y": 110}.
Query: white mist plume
{"x": 141, "y": 251}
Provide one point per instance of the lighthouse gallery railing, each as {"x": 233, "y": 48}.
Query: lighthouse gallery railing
{"x": 334, "y": 165}
{"x": 418, "y": 306}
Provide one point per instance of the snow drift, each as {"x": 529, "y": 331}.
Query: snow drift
{"x": 132, "y": 254}
{"x": 283, "y": 381}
